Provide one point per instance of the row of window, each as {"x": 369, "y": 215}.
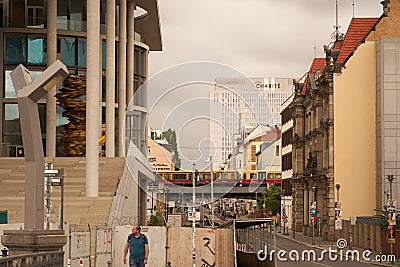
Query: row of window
{"x": 31, "y": 50}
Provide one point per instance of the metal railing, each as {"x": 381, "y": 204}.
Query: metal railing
{"x": 51, "y": 258}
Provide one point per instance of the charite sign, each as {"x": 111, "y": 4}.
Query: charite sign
{"x": 267, "y": 84}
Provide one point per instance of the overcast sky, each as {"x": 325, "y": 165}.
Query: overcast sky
{"x": 261, "y": 38}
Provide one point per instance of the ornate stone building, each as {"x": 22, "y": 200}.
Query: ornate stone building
{"x": 312, "y": 114}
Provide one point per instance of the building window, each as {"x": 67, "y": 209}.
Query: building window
{"x": 15, "y": 49}
{"x": 287, "y": 162}
{"x": 9, "y": 91}
{"x": 68, "y": 47}
{"x": 37, "y": 51}
{"x": 82, "y": 53}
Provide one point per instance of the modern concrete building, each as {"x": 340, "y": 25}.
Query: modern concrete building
{"x": 161, "y": 158}
{"x": 346, "y": 124}
{"x": 244, "y": 104}
{"x": 105, "y": 41}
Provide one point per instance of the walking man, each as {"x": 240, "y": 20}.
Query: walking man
{"x": 138, "y": 247}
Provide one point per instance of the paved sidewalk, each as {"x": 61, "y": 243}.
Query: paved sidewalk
{"x": 324, "y": 245}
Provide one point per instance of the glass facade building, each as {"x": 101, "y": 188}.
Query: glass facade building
{"x": 24, "y": 41}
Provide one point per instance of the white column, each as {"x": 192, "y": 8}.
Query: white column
{"x": 122, "y": 75}
{"x": 92, "y": 98}
{"x": 130, "y": 53}
{"x": 110, "y": 79}
{"x": 51, "y": 99}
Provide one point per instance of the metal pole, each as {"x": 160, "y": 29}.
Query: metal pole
{"x": 48, "y": 166}
{"x": 390, "y": 178}
{"x": 152, "y": 204}
{"x": 61, "y": 226}
{"x": 338, "y": 200}
{"x": 313, "y": 234}
{"x": 193, "y": 219}
{"x": 202, "y": 208}
{"x": 212, "y": 194}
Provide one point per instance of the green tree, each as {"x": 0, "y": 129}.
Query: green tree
{"x": 272, "y": 199}
{"x": 170, "y": 136}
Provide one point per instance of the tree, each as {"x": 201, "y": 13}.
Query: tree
{"x": 170, "y": 136}
{"x": 272, "y": 199}
{"x": 382, "y": 220}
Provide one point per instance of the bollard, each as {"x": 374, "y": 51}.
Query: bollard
{"x": 4, "y": 252}
{"x": 81, "y": 262}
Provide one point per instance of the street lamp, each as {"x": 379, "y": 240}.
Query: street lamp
{"x": 212, "y": 192}
{"x": 193, "y": 217}
{"x": 314, "y": 189}
{"x": 337, "y": 191}
{"x": 390, "y": 179}
{"x": 293, "y": 213}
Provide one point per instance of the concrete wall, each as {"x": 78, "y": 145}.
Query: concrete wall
{"x": 355, "y": 138}
{"x": 213, "y": 248}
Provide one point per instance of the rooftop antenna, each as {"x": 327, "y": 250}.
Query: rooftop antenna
{"x": 337, "y": 35}
{"x": 353, "y": 8}
{"x": 315, "y": 51}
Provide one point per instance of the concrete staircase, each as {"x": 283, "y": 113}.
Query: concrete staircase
{"x": 78, "y": 209}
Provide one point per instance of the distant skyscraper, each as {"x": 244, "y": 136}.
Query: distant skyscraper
{"x": 242, "y": 104}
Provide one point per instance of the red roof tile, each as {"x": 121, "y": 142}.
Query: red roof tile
{"x": 358, "y": 29}
{"x": 318, "y": 64}
{"x": 338, "y": 45}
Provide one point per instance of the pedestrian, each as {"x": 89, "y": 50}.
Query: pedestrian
{"x": 138, "y": 247}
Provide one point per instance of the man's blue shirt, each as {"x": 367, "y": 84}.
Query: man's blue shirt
{"x": 136, "y": 247}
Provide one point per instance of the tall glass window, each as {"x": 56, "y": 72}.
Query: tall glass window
{"x": 68, "y": 51}
{"x": 15, "y": 49}
{"x": 60, "y": 122}
{"x": 78, "y": 15}
{"x": 37, "y": 51}
{"x": 9, "y": 91}
{"x": 82, "y": 53}
{"x": 11, "y": 119}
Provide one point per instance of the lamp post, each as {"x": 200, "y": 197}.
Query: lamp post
{"x": 193, "y": 218}
{"x": 293, "y": 213}
{"x": 314, "y": 189}
{"x": 390, "y": 179}
{"x": 212, "y": 193}
{"x": 283, "y": 213}
{"x": 338, "y": 200}
{"x": 337, "y": 191}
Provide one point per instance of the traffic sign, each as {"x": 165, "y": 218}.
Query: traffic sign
{"x": 285, "y": 220}
{"x": 152, "y": 186}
